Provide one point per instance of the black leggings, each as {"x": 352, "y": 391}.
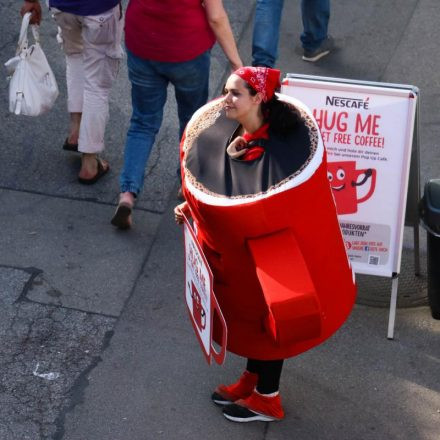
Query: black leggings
{"x": 269, "y": 373}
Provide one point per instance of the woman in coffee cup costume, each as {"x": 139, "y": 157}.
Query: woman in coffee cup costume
{"x": 255, "y": 183}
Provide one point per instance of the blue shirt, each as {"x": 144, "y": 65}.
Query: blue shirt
{"x": 83, "y": 7}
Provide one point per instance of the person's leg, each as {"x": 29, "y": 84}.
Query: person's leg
{"x": 266, "y": 32}
{"x": 264, "y": 403}
{"x": 269, "y": 374}
{"x": 75, "y": 91}
{"x": 148, "y": 96}
{"x": 315, "y": 17}
{"x": 71, "y": 40}
{"x": 191, "y": 85}
{"x": 74, "y": 124}
{"x": 101, "y": 57}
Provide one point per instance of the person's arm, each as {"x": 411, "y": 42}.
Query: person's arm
{"x": 219, "y": 23}
{"x": 34, "y": 7}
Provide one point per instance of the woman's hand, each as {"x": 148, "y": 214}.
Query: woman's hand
{"x": 33, "y": 7}
{"x": 237, "y": 147}
{"x": 235, "y": 66}
{"x": 179, "y": 211}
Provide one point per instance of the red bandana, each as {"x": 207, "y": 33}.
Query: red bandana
{"x": 262, "y": 79}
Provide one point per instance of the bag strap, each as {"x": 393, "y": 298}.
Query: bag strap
{"x": 36, "y": 32}
{"x": 23, "y": 39}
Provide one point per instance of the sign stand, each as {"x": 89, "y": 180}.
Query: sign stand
{"x": 371, "y": 132}
{"x": 393, "y": 305}
{"x": 412, "y": 217}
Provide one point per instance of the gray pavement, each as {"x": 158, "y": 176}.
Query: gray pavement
{"x": 95, "y": 343}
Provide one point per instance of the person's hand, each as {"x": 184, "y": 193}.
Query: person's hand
{"x": 179, "y": 211}
{"x": 237, "y": 147}
{"x": 235, "y": 65}
{"x": 35, "y": 8}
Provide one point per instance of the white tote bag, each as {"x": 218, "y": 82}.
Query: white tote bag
{"x": 32, "y": 88}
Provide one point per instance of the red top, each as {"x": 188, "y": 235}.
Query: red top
{"x": 167, "y": 30}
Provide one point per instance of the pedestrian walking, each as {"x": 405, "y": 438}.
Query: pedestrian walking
{"x": 168, "y": 42}
{"x": 90, "y": 32}
{"x": 315, "y": 40}
{"x": 255, "y": 183}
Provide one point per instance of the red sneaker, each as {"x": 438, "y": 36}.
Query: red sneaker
{"x": 255, "y": 407}
{"x": 227, "y": 394}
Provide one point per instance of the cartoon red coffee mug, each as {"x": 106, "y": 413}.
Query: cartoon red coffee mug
{"x": 198, "y": 310}
{"x": 343, "y": 178}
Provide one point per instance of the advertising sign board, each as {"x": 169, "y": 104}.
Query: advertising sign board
{"x": 367, "y": 131}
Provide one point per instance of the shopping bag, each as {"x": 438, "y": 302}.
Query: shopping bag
{"x": 32, "y": 88}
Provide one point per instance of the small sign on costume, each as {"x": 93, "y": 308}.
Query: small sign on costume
{"x": 200, "y": 300}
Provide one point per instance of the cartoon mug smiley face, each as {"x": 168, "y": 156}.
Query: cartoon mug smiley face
{"x": 198, "y": 310}
{"x": 343, "y": 177}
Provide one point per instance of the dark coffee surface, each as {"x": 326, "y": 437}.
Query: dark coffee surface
{"x": 213, "y": 168}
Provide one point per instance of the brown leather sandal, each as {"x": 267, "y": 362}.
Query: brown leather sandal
{"x": 70, "y": 147}
{"x": 102, "y": 171}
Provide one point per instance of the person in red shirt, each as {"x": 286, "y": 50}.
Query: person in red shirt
{"x": 168, "y": 42}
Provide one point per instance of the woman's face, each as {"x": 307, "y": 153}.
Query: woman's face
{"x": 238, "y": 103}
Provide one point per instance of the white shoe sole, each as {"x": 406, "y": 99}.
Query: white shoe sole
{"x": 222, "y": 402}
{"x": 316, "y": 57}
{"x": 256, "y": 418}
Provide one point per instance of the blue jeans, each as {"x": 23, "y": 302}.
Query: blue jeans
{"x": 149, "y": 82}
{"x": 315, "y": 17}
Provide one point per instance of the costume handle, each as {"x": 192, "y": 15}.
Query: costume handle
{"x": 219, "y": 356}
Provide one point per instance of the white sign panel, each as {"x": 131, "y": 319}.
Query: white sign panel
{"x": 200, "y": 300}
{"x": 367, "y": 131}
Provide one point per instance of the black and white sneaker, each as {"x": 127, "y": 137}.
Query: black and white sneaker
{"x": 238, "y": 413}
{"x": 324, "y": 49}
{"x": 256, "y": 407}
{"x": 218, "y": 399}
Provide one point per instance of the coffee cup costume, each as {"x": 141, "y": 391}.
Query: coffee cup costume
{"x": 269, "y": 230}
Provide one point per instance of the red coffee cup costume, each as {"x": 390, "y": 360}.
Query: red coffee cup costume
{"x": 269, "y": 230}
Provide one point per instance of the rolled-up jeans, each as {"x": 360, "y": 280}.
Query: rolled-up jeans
{"x": 149, "y": 81}
{"x": 315, "y": 17}
{"x": 92, "y": 45}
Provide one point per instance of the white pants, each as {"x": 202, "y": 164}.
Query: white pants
{"x": 93, "y": 51}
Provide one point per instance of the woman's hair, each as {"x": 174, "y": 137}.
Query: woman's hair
{"x": 283, "y": 118}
